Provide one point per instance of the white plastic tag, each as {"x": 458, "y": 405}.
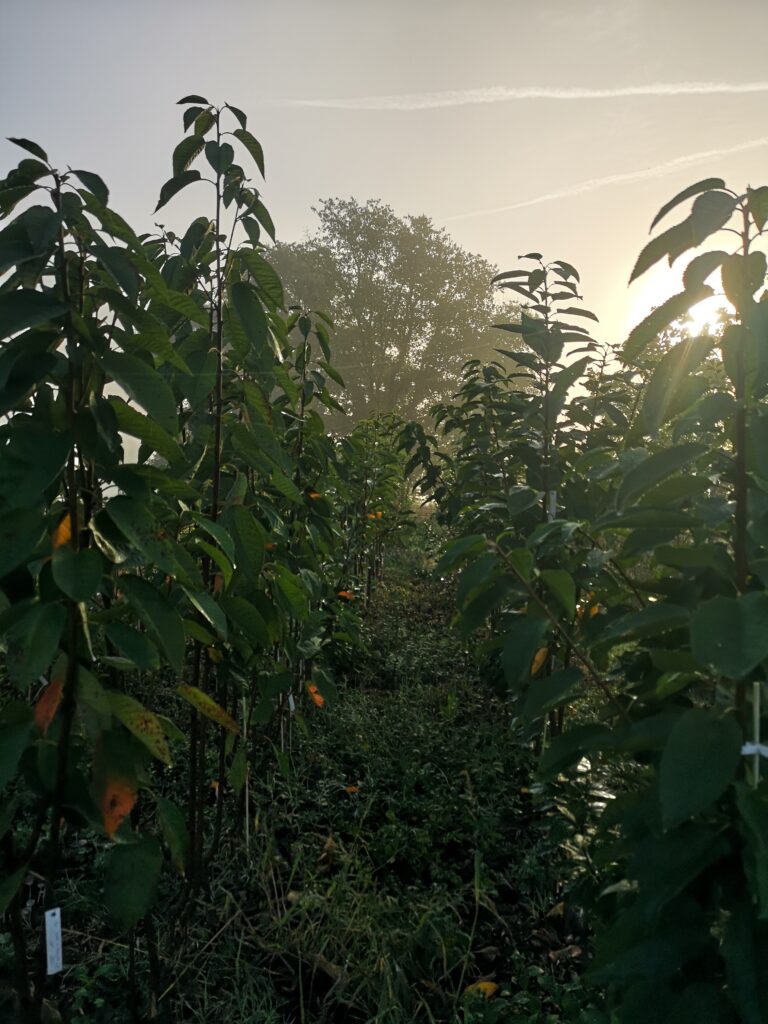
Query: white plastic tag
{"x": 53, "y": 940}
{"x": 291, "y": 703}
{"x": 755, "y": 748}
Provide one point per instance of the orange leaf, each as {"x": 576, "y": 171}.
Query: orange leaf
{"x": 218, "y": 583}
{"x": 47, "y": 705}
{"x": 315, "y": 694}
{"x": 269, "y": 546}
{"x": 63, "y": 533}
{"x": 117, "y": 803}
{"x": 371, "y": 515}
{"x": 347, "y": 595}
{"x": 485, "y": 988}
{"x": 379, "y": 515}
{"x": 314, "y": 495}
{"x": 351, "y": 789}
{"x": 207, "y": 706}
{"x": 594, "y": 610}
{"x": 539, "y": 659}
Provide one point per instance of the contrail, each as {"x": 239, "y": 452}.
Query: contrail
{"x": 502, "y": 94}
{"x": 593, "y": 184}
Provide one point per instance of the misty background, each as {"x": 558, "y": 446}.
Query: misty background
{"x": 440, "y": 139}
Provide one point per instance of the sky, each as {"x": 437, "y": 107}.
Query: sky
{"x": 557, "y": 125}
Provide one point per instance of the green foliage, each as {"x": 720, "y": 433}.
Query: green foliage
{"x": 176, "y": 522}
{"x": 640, "y": 570}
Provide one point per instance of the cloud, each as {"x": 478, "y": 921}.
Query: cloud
{"x": 503, "y": 94}
{"x": 593, "y": 184}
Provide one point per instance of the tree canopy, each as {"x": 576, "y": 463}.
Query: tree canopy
{"x": 410, "y": 305}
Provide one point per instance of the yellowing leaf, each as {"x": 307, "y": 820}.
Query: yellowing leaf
{"x": 347, "y": 595}
{"x": 117, "y": 802}
{"x": 484, "y": 988}
{"x": 207, "y": 706}
{"x": 539, "y": 659}
{"x": 314, "y": 495}
{"x": 144, "y": 724}
{"x": 371, "y": 515}
{"x": 213, "y": 655}
{"x": 47, "y": 705}
{"x": 63, "y": 533}
{"x": 379, "y": 515}
{"x": 351, "y": 789}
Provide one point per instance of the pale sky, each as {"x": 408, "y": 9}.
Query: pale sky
{"x": 555, "y": 125}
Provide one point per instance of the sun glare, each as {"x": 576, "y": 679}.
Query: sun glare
{"x": 658, "y": 286}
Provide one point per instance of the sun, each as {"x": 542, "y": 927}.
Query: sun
{"x": 662, "y": 283}
{"x": 705, "y": 315}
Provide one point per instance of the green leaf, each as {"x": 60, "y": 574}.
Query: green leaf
{"x": 673, "y": 368}
{"x": 654, "y": 468}
{"x": 550, "y": 692}
{"x": 33, "y": 643}
{"x": 174, "y": 185}
{"x": 185, "y": 153}
{"x": 709, "y": 213}
{"x": 158, "y": 615}
{"x": 702, "y": 267}
{"x": 191, "y": 99}
{"x": 144, "y": 724}
{"x": 730, "y": 634}
{"x": 249, "y": 537}
{"x": 14, "y": 739}
{"x": 10, "y": 885}
{"x": 745, "y": 950}
{"x": 238, "y": 113}
{"x": 76, "y": 573}
{"x": 31, "y": 147}
{"x": 94, "y": 184}
{"x": 561, "y": 585}
{"x": 523, "y": 639}
{"x": 20, "y": 533}
{"x": 574, "y": 744}
{"x": 459, "y": 551}
{"x": 669, "y": 243}
{"x": 742, "y": 276}
{"x": 252, "y": 145}
{"x": 129, "y": 421}
{"x": 132, "y": 873}
{"x": 209, "y": 609}
{"x": 757, "y": 204}
{"x": 286, "y": 486}
{"x": 24, "y": 308}
{"x": 687, "y": 193}
{"x": 698, "y": 764}
{"x": 219, "y": 155}
{"x": 133, "y": 645}
{"x": 250, "y": 314}
{"x": 647, "y": 330}
{"x": 174, "y": 826}
{"x": 265, "y": 277}
{"x": 145, "y": 386}
{"x": 293, "y": 590}
{"x": 248, "y": 620}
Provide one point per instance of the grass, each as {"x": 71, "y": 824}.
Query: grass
{"x": 397, "y": 859}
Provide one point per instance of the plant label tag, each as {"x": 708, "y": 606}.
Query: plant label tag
{"x": 53, "y": 940}
{"x": 291, "y": 703}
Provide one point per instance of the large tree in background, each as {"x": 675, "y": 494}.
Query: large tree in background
{"x": 410, "y": 306}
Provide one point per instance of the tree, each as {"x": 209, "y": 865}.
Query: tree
{"x": 410, "y": 305}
